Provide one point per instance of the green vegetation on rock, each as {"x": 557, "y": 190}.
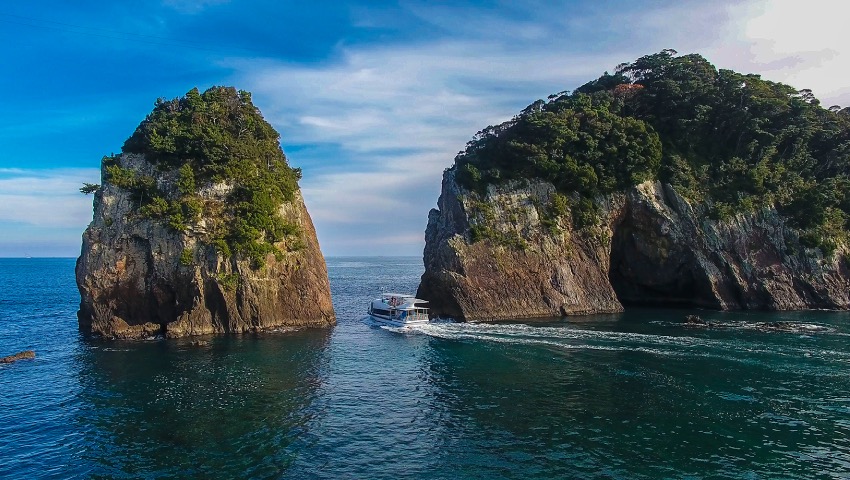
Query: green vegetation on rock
{"x": 485, "y": 215}
{"x": 89, "y": 188}
{"x": 732, "y": 141}
{"x": 187, "y": 257}
{"x": 218, "y": 136}
{"x": 228, "y": 281}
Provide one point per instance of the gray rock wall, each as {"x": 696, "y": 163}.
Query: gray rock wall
{"x": 666, "y": 251}
{"x": 563, "y": 274}
{"x": 652, "y": 247}
{"x": 133, "y": 284}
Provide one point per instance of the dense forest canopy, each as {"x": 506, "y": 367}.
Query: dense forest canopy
{"x": 731, "y": 141}
{"x": 215, "y": 136}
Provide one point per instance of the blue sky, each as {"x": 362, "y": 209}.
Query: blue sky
{"x": 372, "y": 99}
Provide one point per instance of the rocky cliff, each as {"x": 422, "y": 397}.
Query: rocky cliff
{"x": 651, "y": 246}
{"x": 138, "y": 277}
{"x": 669, "y": 182}
{"x": 173, "y": 250}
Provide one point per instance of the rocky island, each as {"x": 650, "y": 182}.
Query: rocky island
{"x": 199, "y": 227}
{"x": 669, "y": 182}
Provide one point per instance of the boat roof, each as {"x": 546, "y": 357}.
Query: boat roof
{"x": 400, "y": 295}
{"x": 408, "y": 299}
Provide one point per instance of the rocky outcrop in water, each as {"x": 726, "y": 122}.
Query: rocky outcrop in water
{"x": 495, "y": 278}
{"x": 25, "y": 355}
{"x": 651, "y": 247}
{"x": 138, "y": 277}
{"x": 199, "y": 227}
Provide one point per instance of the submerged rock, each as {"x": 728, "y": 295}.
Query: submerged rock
{"x": 172, "y": 249}
{"x": 27, "y": 354}
{"x": 695, "y": 320}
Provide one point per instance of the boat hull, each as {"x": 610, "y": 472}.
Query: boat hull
{"x": 393, "y": 322}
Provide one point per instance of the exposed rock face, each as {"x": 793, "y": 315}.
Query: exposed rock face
{"x": 560, "y": 274}
{"x": 666, "y": 251}
{"x": 137, "y": 277}
{"x": 651, "y": 247}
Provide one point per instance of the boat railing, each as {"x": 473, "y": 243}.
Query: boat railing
{"x": 415, "y": 315}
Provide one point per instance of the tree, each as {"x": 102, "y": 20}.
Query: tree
{"x": 89, "y": 188}
{"x": 735, "y": 140}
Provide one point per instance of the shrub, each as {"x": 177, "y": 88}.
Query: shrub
{"x": 187, "y": 257}
{"x": 89, "y": 188}
{"x": 157, "y": 208}
{"x": 228, "y": 281}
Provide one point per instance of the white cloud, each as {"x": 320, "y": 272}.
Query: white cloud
{"x": 804, "y": 45}
{"x": 377, "y": 123}
{"x": 46, "y": 198}
{"x": 399, "y": 114}
{"x": 423, "y": 101}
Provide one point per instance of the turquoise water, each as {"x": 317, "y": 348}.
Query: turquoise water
{"x": 638, "y": 395}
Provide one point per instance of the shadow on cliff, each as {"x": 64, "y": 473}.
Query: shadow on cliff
{"x": 647, "y": 271}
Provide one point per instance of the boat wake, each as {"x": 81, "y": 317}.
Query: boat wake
{"x": 766, "y": 327}
{"x": 369, "y": 321}
{"x": 567, "y": 338}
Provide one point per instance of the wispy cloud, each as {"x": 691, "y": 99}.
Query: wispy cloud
{"x": 421, "y": 101}
{"x": 421, "y": 104}
{"x": 192, "y": 6}
{"x": 376, "y": 120}
{"x": 46, "y": 198}
{"x": 804, "y": 45}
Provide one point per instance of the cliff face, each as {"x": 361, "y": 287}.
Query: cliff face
{"x": 666, "y": 251}
{"x": 139, "y": 277}
{"x": 650, "y": 247}
{"x": 554, "y": 274}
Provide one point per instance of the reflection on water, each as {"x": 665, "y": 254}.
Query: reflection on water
{"x": 635, "y": 395}
{"x": 236, "y": 403}
{"x": 560, "y": 399}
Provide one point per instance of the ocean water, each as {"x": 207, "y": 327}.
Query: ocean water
{"x": 637, "y": 395}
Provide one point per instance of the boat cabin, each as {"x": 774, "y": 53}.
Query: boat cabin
{"x": 398, "y": 307}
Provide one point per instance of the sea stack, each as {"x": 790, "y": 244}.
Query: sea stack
{"x": 199, "y": 227}
{"x": 669, "y": 183}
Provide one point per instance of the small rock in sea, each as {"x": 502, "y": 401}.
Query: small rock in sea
{"x": 18, "y": 356}
{"x": 695, "y": 320}
{"x": 199, "y": 343}
{"x": 786, "y": 327}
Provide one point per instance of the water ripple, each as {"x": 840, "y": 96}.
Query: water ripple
{"x": 637, "y": 395}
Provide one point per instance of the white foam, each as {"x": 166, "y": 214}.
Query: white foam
{"x": 570, "y": 338}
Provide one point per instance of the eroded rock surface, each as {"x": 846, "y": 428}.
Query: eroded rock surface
{"x": 138, "y": 277}
{"x": 651, "y": 247}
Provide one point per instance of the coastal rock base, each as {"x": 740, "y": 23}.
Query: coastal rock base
{"x": 139, "y": 278}
{"x": 651, "y": 247}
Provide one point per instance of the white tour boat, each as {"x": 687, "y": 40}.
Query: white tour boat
{"x": 398, "y": 310}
